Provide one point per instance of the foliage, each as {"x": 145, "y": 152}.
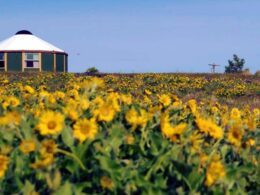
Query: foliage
{"x": 257, "y": 73}
{"x": 185, "y": 85}
{"x": 79, "y": 136}
{"x": 92, "y": 70}
{"x": 235, "y": 66}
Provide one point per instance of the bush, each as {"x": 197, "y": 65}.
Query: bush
{"x": 246, "y": 72}
{"x": 257, "y": 73}
{"x": 92, "y": 70}
{"x": 235, "y": 65}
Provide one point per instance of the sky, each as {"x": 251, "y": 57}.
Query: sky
{"x": 131, "y": 36}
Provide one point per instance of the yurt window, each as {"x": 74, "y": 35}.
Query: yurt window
{"x": 31, "y": 60}
{"x": 2, "y": 60}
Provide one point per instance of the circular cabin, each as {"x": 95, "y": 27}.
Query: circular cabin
{"x": 25, "y": 52}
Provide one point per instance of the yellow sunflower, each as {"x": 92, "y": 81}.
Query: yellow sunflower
{"x": 44, "y": 162}
{"x": 28, "y": 89}
{"x": 235, "y": 114}
{"x": 129, "y": 139}
{"x": 207, "y": 126}
{"x": 235, "y": 135}
{"x": 50, "y": 123}
{"x": 106, "y": 113}
{"x": 192, "y": 105}
{"x": 48, "y": 146}
{"x": 136, "y": 119}
{"x": 196, "y": 140}
{"x": 172, "y": 132}
{"x": 85, "y": 129}
{"x": 4, "y": 161}
{"x": 13, "y": 101}
{"x": 27, "y": 146}
{"x": 126, "y": 99}
{"x": 106, "y": 183}
{"x": 215, "y": 171}
{"x": 164, "y": 99}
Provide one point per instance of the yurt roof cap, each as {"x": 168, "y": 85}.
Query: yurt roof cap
{"x": 23, "y": 32}
{"x": 24, "y": 40}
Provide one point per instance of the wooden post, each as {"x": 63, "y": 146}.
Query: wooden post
{"x": 64, "y": 63}
{"x": 23, "y": 62}
{"x": 5, "y": 61}
{"x": 54, "y": 63}
{"x": 40, "y": 62}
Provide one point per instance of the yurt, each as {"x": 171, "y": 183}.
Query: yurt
{"x": 25, "y": 52}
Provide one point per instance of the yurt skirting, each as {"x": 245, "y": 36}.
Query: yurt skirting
{"x": 26, "y": 52}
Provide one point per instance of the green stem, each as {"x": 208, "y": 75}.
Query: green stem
{"x": 160, "y": 159}
{"x": 214, "y": 150}
{"x": 72, "y": 156}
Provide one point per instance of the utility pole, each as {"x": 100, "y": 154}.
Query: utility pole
{"x": 213, "y": 67}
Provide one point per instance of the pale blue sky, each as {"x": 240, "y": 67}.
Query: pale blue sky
{"x": 141, "y": 35}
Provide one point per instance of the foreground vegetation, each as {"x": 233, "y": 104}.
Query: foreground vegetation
{"x": 132, "y": 134}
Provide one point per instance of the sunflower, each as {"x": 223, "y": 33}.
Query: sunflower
{"x": 27, "y": 146}
{"x": 235, "y": 114}
{"x": 4, "y": 161}
{"x": 106, "y": 113}
{"x": 129, "y": 139}
{"x": 215, "y": 171}
{"x": 215, "y": 131}
{"x": 10, "y": 118}
{"x": 44, "y": 162}
{"x": 106, "y": 183}
{"x": 126, "y": 99}
{"x": 112, "y": 101}
{"x": 208, "y": 127}
{"x": 147, "y": 100}
{"x": 164, "y": 99}
{"x": 235, "y": 135}
{"x": 165, "y": 125}
{"x": 71, "y": 113}
{"x": 47, "y": 151}
{"x": 192, "y": 105}
{"x": 13, "y": 101}
{"x": 196, "y": 140}
{"x": 136, "y": 119}
{"x": 147, "y": 92}
{"x": 85, "y": 129}
{"x": 28, "y": 89}
{"x": 177, "y": 131}
{"x": 172, "y": 132}
{"x": 251, "y": 123}
{"x": 50, "y": 123}
{"x": 131, "y": 116}
{"x": 48, "y": 146}
{"x": 256, "y": 112}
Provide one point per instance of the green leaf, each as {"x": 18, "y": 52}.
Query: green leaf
{"x": 110, "y": 166}
{"x": 195, "y": 178}
{"x": 28, "y": 188}
{"x": 66, "y": 189}
{"x": 67, "y": 137}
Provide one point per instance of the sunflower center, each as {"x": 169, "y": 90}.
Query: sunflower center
{"x": 52, "y": 125}
{"x": 236, "y": 134}
{"x": 105, "y": 111}
{"x": 50, "y": 149}
{"x": 85, "y": 129}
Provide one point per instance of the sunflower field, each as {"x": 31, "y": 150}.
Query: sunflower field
{"x": 129, "y": 134}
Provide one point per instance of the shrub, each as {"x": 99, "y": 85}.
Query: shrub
{"x": 235, "y": 65}
{"x": 257, "y": 73}
{"x": 92, "y": 70}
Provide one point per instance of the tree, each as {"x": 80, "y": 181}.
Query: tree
{"x": 235, "y": 66}
{"x": 92, "y": 70}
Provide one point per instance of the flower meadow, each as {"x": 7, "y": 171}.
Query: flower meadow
{"x": 129, "y": 134}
